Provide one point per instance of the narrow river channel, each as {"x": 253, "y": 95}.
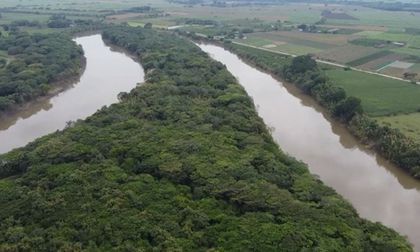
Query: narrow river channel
{"x": 107, "y": 73}
{"x": 378, "y": 190}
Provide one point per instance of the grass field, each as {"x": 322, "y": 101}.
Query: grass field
{"x": 7, "y": 18}
{"x": 382, "y": 62}
{"x": 82, "y": 4}
{"x": 394, "y": 20}
{"x": 302, "y": 13}
{"x": 296, "y": 42}
{"x": 409, "y": 124}
{"x": 415, "y": 68}
{"x": 347, "y": 53}
{"x": 407, "y": 50}
{"x": 3, "y": 55}
{"x": 391, "y": 36}
{"x": 380, "y": 96}
{"x": 280, "y": 45}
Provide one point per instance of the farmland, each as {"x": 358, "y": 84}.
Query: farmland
{"x": 4, "y": 58}
{"x": 409, "y": 124}
{"x": 274, "y": 26}
{"x": 380, "y": 96}
{"x": 344, "y": 36}
{"x": 340, "y": 48}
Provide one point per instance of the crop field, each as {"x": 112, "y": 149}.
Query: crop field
{"x": 7, "y": 18}
{"x": 409, "y": 124}
{"x": 407, "y": 50}
{"x": 415, "y": 68}
{"x": 332, "y": 47}
{"x": 347, "y": 53}
{"x": 362, "y": 29}
{"x": 380, "y": 96}
{"x": 284, "y": 44}
{"x": 3, "y": 55}
{"x": 393, "y": 71}
{"x": 382, "y": 62}
{"x": 82, "y": 4}
{"x": 368, "y": 58}
{"x": 321, "y": 41}
{"x": 296, "y": 49}
{"x": 394, "y": 20}
{"x": 291, "y": 12}
{"x": 391, "y": 36}
{"x": 367, "y": 23}
{"x": 297, "y": 42}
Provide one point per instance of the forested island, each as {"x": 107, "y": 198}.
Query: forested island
{"x": 36, "y": 62}
{"x": 183, "y": 163}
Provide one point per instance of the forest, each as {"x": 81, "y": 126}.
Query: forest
{"x": 35, "y": 63}
{"x": 182, "y": 163}
{"x": 305, "y": 73}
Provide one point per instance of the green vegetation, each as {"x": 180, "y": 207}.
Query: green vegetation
{"x": 305, "y": 74}
{"x": 380, "y": 96}
{"x": 39, "y": 60}
{"x": 368, "y": 58}
{"x": 409, "y": 124}
{"x": 370, "y": 42}
{"x": 182, "y": 163}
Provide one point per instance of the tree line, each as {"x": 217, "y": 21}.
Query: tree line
{"x": 36, "y": 61}
{"x": 304, "y": 72}
{"x": 182, "y": 163}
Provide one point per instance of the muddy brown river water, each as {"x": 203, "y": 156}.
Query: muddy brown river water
{"x": 377, "y": 189}
{"x": 108, "y": 72}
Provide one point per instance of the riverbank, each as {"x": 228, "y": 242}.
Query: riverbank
{"x": 106, "y": 74}
{"x": 42, "y": 65}
{"x": 65, "y": 82}
{"x": 388, "y": 142}
{"x": 377, "y": 189}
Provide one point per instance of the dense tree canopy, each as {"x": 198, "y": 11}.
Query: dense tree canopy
{"x": 36, "y": 61}
{"x": 182, "y": 163}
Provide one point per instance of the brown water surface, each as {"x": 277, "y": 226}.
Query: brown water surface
{"x": 107, "y": 73}
{"x": 377, "y": 189}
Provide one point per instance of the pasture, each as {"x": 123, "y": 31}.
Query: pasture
{"x": 409, "y": 124}
{"x": 295, "y": 42}
{"x": 7, "y": 18}
{"x": 82, "y": 4}
{"x": 3, "y": 55}
{"x": 393, "y": 20}
{"x": 380, "y": 96}
{"x": 347, "y": 53}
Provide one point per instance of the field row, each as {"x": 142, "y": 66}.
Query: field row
{"x": 394, "y": 59}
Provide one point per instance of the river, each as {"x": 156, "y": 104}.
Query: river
{"x": 108, "y": 72}
{"x": 377, "y": 189}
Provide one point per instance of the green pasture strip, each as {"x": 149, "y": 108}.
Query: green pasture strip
{"x": 380, "y": 95}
